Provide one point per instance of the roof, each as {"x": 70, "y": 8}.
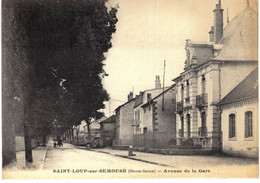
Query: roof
{"x": 147, "y": 103}
{"x": 246, "y": 89}
{"x": 141, "y": 97}
{"x": 240, "y": 38}
{"x": 95, "y": 123}
{"x": 124, "y": 104}
{"x": 111, "y": 119}
{"x": 239, "y": 41}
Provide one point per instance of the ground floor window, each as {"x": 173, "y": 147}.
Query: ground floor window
{"x": 248, "y": 124}
{"x": 232, "y": 125}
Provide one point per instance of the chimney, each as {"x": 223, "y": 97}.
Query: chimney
{"x": 157, "y": 82}
{"x": 130, "y": 96}
{"x": 218, "y": 23}
{"x": 211, "y": 34}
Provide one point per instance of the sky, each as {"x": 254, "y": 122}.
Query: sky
{"x": 151, "y": 31}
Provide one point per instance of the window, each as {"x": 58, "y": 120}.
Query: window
{"x": 188, "y": 124}
{"x": 203, "y": 120}
{"x": 182, "y": 127}
{"x": 187, "y": 89}
{"x": 248, "y": 124}
{"x": 145, "y": 129}
{"x": 232, "y": 125}
{"x": 182, "y": 92}
{"x": 137, "y": 117}
{"x": 203, "y": 84}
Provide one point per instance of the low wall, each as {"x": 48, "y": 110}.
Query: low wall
{"x": 154, "y": 140}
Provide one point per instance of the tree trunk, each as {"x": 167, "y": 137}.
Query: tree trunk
{"x": 8, "y": 141}
{"x": 77, "y": 138}
{"x": 44, "y": 140}
{"x": 89, "y": 143}
{"x": 71, "y": 134}
{"x": 28, "y": 146}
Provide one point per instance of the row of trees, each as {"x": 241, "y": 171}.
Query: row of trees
{"x": 53, "y": 53}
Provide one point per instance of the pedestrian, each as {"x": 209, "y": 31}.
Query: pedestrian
{"x": 54, "y": 145}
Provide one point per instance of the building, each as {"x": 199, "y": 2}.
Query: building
{"x": 140, "y": 124}
{"x": 159, "y": 120}
{"x": 158, "y": 115}
{"x": 107, "y": 130}
{"x": 211, "y": 71}
{"x": 94, "y": 131}
{"x": 124, "y": 122}
{"x": 79, "y": 134}
{"x": 239, "y": 118}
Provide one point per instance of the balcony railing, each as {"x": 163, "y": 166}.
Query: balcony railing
{"x": 203, "y": 131}
{"x": 179, "y": 106}
{"x": 202, "y": 100}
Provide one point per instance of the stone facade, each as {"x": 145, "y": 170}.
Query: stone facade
{"x": 144, "y": 97}
{"x": 211, "y": 72}
{"x": 124, "y": 122}
{"x": 158, "y": 116}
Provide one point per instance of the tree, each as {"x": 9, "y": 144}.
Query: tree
{"x": 58, "y": 51}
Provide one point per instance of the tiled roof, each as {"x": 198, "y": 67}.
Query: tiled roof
{"x": 167, "y": 89}
{"x": 111, "y": 119}
{"x": 240, "y": 38}
{"x": 248, "y": 88}
{"x": 124, "y": 104}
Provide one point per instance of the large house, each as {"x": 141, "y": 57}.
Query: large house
{"x": 211, "y": 71}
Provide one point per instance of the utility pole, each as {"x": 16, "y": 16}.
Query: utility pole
{"x": 163, "y": 85}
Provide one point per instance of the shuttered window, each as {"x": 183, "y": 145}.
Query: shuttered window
{"x": 232, "y": 125}
{"x": 248, "y": 124}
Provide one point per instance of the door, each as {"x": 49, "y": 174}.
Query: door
{"x": 188, "y": 125}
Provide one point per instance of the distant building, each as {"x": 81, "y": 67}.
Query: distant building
{"x": 124, "y": 122}
{"x": 79, "y": 134}
{"x": 140, "y": 126}
{"x": 239, "y": 118}
{"x": 94, "y": 131}
{"x": 107, "y": 130}
{"x": 211, "y": 71}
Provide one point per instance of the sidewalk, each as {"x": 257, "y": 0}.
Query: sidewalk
{"x": 39, "y": 155}
{"x": 178, "y": 161}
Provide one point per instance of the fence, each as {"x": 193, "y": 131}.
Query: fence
{"x": 154, "y": 140}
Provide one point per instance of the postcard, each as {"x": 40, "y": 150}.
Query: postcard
{"x": 148, "y": 89}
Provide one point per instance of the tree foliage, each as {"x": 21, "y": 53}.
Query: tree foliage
{"x": 57, "y": 64}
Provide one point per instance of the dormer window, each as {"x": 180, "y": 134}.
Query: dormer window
{"x": 149, "y": 97}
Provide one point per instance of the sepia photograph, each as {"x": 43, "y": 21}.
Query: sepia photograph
{"x": 129, "y": 89}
